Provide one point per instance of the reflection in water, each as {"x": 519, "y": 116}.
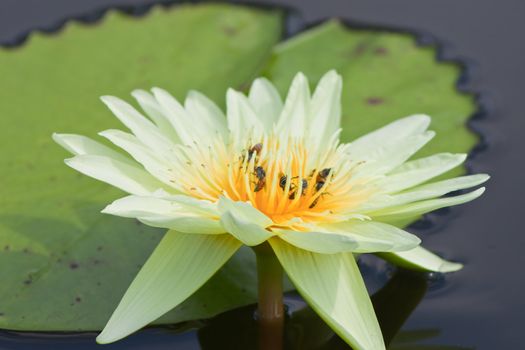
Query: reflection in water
{"x": 238, "y": 330}
{"x": 304, "y": 330}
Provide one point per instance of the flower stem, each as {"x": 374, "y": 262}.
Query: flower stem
{"x": 270, "y": 310}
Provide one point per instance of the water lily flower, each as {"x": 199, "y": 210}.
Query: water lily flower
{"x": 274, "y": 174}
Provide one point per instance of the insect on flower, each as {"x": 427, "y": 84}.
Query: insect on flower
{"x": 177, "y": 174}
{"x": 260, "y": 174}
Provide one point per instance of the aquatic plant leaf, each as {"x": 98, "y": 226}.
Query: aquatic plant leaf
{"x": 178, "y": 266}
{"x": 59, "y": 255}
{"x": 333, "y": 286}
{"x": 421, "y": 259}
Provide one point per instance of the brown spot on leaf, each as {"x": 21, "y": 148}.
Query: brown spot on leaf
{"x": 28, "y": 282}
{"x": 99, "y": 248}
{"x": 374, "y": 101}
{"x": 7, "y": 247}
{"x": 230, "y": 31}
{"x": 78, "y": 299}
{"x": 381, "y": 51}
{"x": 73, "y": 265}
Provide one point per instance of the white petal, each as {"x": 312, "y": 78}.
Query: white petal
{"x": 428, "y": 191}
{"x": 351, "y": 236}
{"x": 80, "y": 145}
{"x": 421, "y": 259}
{"x": 319, "y": 242}
{"x": 266, "y": 102}
{"x": 142, "y": 127}
{"x": 293, "y": 118}
{"x": 244, "y": 221}
{"x": 418, "y": 171}
{"x": 129, "y": 178}
{"x": 242, "y": 119}
{"x": 164, "y": 213}
{"x": 150, "y": 105}
{"x": 422, "y": 207}
{"x": 397, "y": 130}
{"x": 176, "y": 269}
{"x": 386, "y": 156}
{"x": 178, "y": 117}
{"x": 206, "y": 114}
{"x": 153, "y": 164}
{"x": 325, "y": 111}
{"x": 334, "y": 288}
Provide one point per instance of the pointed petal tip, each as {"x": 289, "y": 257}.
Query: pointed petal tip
{"x": 105, "y": 338}
{"x": 108, "y": 209}
{"x": 139, "y": 93}
{"x": 332, "y": 74}
{"x": 478, "y": 192}
{"x": 449, "y": 266}
{"x": 108, "y": 99}
{"x": 59, "y": 138}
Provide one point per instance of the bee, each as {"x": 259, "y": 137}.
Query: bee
{"x": 282, "y": 182}
{"x": 303, "y": 189}
{"x": 255, "y": 149}
{"x": 260, "y": 174}
{"x": 323, "y": 174}
{"x": 319, "y": 183}
{"x": 314, "y": 202}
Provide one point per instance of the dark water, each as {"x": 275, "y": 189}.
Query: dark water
{"x": 481, "y": 307}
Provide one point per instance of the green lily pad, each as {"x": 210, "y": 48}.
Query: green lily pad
{"x": 58, "y": 254}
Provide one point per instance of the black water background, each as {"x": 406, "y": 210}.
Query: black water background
{"x": 482, "y": 306}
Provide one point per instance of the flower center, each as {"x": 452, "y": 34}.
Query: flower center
{"x": 281, "y": 178}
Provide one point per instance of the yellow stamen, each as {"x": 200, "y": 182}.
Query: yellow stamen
{"x": 311, "y": 192}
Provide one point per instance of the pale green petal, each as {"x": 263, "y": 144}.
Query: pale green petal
{"x": 164, "y": 213}
{"x": 397, "y": 130}
{"x": 179, "y": 119}
{"x": 319, "y": 242}
{"x": 242, "y": 119}
{"x": 351, "y": 236}
{"x": 389, "y": 154}
{"x": 266, "y": 101}
{"x": 325, "y": 110}
{"x": 428, "y": 191}
{"x": 334, "y": 288}
{"x": 420, "y": 259}
{"x": 143, "y": 128}
{"x": 149, "y": 159}
{"x": 127, "y": 177}
{"x": 179, "y": 265}
{"x": 244, "y": 221}
{"x": 418, "y": 171}
{"x": 293, "y": 118}
{"x": 206, "y": 114}
{"x": 153, "y": 109}
{"x": 81, "y": 145}
{"x": 422, "y": 207}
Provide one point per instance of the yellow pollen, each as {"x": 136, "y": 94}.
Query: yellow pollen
{"x": 279, "y": 178}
